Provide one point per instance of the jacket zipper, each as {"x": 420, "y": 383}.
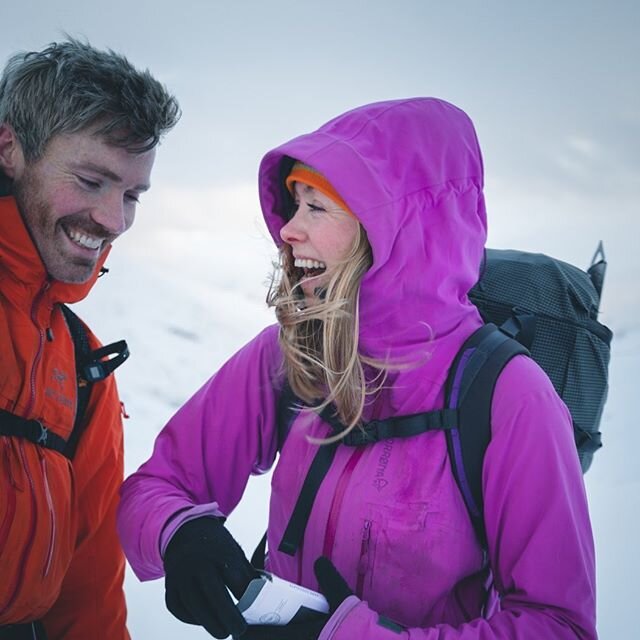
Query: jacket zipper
{"x": 38, "y": 356}
{"x": 10, "y": 498}
{"x": 32, "y": 527}
{"x": 30, "y": 538}
{"x": 338, "y": 498}
{"x": 52, "y": 516}
{"x": 363, "y": 563}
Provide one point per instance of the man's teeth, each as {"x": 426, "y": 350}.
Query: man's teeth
{"x": 84, "y": 240}
{"x": 309, "y": 264}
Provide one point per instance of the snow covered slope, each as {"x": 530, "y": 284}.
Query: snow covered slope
{"x": 186, "y": 295}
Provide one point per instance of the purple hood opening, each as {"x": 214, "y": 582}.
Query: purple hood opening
{"x": 411, "y": 171}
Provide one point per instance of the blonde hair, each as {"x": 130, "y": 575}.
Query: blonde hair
{"x": 320, "y": 341}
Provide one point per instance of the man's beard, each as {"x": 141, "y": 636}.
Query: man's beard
{"x": 37, "y": 216}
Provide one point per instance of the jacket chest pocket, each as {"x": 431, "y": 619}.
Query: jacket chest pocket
{"x": 56, "y": 388}
{"x": 391, "y": 537}
{"x": 410, "y": 555}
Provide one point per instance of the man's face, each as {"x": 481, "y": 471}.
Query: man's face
{"x": 78, "y": 198}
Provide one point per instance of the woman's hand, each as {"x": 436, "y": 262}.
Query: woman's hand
{"x": 201, "y": 562}
{"x": 335, "y": 590}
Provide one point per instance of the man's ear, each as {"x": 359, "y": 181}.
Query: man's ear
{"x": 11, "y": 155}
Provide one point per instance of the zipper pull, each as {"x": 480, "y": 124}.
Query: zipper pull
{"x": 363, "y": 563}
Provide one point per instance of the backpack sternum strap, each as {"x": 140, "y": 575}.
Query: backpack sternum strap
{"x": 32, "y": 430}
{"x": 402, "y": 427}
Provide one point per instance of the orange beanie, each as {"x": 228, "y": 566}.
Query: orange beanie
{"x": 308, "y": 175}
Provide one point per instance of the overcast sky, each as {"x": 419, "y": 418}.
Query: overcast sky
{"x": 553, "y": 88}
{"x": 549, "y": 84}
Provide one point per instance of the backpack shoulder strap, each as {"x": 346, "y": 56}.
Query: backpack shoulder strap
{"x": 90, "y": 368}
{"x": 466, "y": 420}
{"x": 82, "y": 350}
{"x": 287, "y": 408}
{"x": 470, "y": 384}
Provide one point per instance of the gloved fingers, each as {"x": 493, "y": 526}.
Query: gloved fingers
{"x": 293, "y": 631}
{"x": 204, "y": 600}
{"x": 174, "y": 604}
{"x": 218, "y": 613}
{"x": 332, "y": 585}
{"x": 238, "y": 573}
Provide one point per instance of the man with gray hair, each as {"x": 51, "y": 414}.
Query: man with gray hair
{"x": 78, "y": 132}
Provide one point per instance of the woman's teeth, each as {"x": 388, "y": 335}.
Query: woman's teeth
{"x": 309, "y": 264}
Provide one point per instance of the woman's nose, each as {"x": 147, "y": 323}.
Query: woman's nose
{"x": 293, "y": 231}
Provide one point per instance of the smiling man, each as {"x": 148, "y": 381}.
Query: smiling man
{"x": 78, "y": 132}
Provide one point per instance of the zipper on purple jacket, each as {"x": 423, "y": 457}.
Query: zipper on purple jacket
{"x": 363, "y": 562}
{"x": 336, "y": 503}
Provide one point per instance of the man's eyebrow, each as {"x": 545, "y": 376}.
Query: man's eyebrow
{"x": 107, "y": 173}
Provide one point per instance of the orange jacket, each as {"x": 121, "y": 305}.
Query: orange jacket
{"x": 60, "y": 559}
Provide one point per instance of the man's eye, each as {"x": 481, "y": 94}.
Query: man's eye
{"x": 315, "y": 208}
{"x": 89, "y": 184}
{"x": 132, "y": 197}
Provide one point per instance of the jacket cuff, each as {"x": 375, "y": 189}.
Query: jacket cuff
{"x": 180, "y": 517}
{"x": 354, "y": 619}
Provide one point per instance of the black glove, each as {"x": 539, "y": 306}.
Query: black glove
{"x": 335, "y": 590}
{"x": 201, "y": 561}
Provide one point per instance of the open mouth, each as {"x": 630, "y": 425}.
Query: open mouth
{"x": 83, "y": 239}
{"x": 310, "y": 268}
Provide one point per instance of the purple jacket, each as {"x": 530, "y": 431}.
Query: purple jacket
{"x": 390, "y": 516}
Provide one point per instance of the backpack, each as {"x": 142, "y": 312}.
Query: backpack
{"x": 546, "y": 309}
{"x": 91, "y": 367}
{"x": 551, "y": 307}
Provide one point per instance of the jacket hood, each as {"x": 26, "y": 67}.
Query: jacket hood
{"x": 411, "y": 171}
{"x": 20, "y": 258}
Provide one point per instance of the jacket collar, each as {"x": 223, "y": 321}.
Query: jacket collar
{"x": 20, "y": 260}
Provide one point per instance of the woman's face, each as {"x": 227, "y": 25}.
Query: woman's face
{"x": 320, "y": 234}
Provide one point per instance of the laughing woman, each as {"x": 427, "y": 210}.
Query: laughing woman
{"x": 380, "y": 222}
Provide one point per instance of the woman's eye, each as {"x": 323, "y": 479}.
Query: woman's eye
{"x": 315, "y": 208}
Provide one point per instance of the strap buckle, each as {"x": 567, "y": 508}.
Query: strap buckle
{"x": 44, "y": 434}
{"x": 37, "y": 432}
{"x": 370, "y": 433}
{"x": 97, "y": 368}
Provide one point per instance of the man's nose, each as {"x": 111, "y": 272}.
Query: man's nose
{"x": 110, "y": 214}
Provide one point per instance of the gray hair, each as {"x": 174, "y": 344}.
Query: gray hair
{"x": 71, "y": 86}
